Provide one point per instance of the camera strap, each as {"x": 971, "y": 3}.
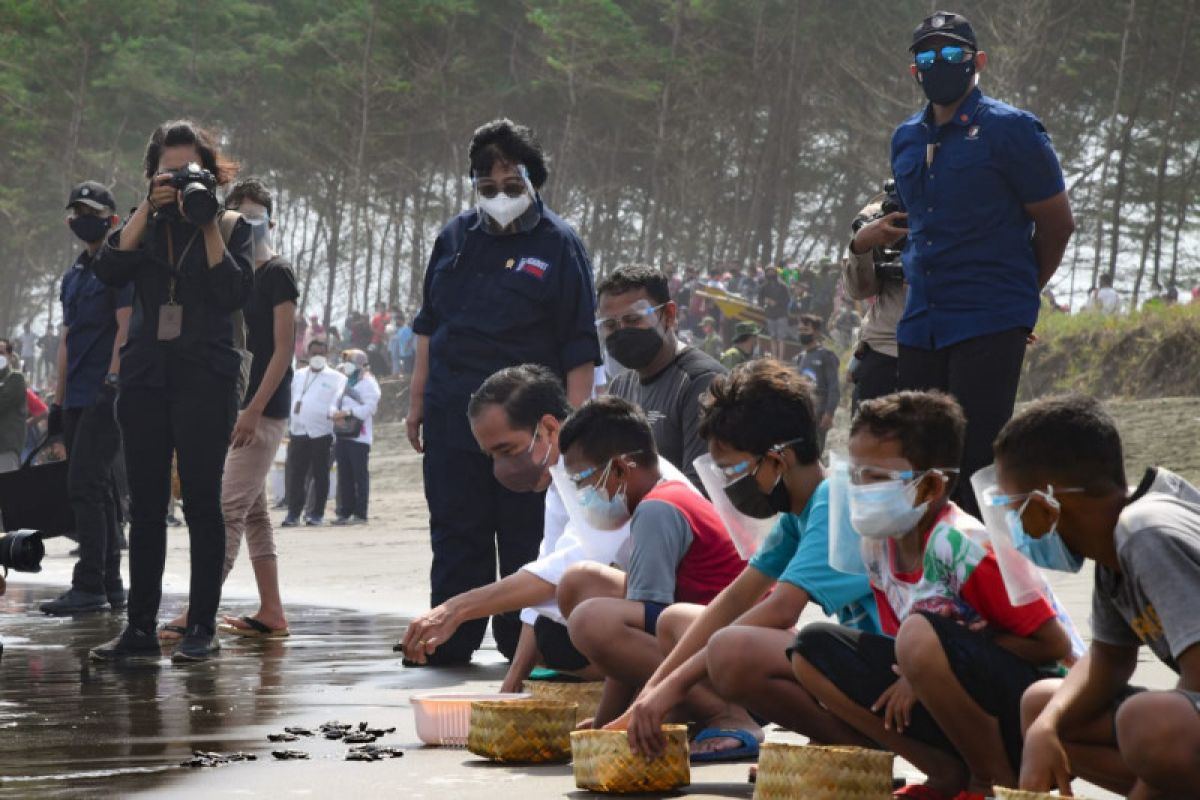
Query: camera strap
{"x": 170, "y": 313}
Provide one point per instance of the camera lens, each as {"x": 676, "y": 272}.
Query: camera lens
{"x": 199, "y": 203}
{"x": 22, "y": 551}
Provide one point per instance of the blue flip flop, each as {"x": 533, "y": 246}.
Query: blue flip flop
{"x": 749, "y": 748}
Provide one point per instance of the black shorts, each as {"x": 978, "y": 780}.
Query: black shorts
{"x": 860, "y": 665}
{"x": 554, "y": 643}
{"x": 652, "y": 612}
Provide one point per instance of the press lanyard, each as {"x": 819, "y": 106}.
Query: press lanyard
{"x": 171, "y": 260}
{"x": 309, "y": 380}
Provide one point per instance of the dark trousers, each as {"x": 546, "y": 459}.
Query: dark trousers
{"x": 307, "y": 460}
{"x": 473, "y": 521}
{"x": 193, "y": 417}
{"x": 354, "y": 479}
{"x": 875, "y": 376}
{"x": 93, "y": 441}
{"x": 982, "y": 374}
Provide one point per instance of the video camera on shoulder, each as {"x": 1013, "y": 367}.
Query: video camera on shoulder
{"x": 197, "y": 189}
{"x": 888, "y": 266}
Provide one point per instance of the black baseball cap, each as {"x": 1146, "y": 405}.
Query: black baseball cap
{"x": 92, "y": 194}
{"x": 946, "y": 24}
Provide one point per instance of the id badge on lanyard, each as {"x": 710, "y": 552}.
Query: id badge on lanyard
{"x": 170, "y": 314}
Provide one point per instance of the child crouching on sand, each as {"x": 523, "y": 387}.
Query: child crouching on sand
{"x": 945, "y": 693}
{"x": 1060, "y": 468}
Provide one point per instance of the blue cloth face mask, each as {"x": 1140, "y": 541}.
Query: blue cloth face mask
{"x": 1048, "y": 551}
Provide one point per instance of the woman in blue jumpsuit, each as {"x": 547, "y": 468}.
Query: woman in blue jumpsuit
{"x": 508, "y": 283}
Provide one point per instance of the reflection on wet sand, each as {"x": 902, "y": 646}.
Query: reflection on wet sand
{"x": 70, "y": 727}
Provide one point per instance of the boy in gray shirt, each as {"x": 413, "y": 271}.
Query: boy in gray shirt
{"x": 1060, "y": 466}
{"x": 681, "y": 551}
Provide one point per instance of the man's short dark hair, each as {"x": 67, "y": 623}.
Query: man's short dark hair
{"x": 636, "y": 276}
{"x": 608, "y": 427}
{"x": 254, "y": 190}
{"x": 1068, "y": 439}
{"x": 318, "y": 343}
{"x": 760, "y": 404}
{"x": 930, "y": 426}
{"x": 502, "y": 140}
{"x": 526, "y": 393}
{"x": 812, "y": 321}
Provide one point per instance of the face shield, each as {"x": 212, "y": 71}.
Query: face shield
{"x": 746, "y": 532}
{"x": 1022, "y": 578}
{"x": 570, "y": 498}
{"x": 845, "y": 545}
{"x": 262, "y": 236}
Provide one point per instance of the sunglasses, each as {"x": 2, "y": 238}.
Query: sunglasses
{"x": 951, "y": 54}
{"x": 490, "y": 190}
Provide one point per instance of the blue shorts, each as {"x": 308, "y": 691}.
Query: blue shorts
{"x": 653, "y": 610}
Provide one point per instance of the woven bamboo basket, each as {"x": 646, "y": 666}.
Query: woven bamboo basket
{"x": 604, "y": 762}
{"x": 796, "y": 772}
{"x": 521, "y": 730}
{"x": 1018, "y": 794}
{"x": 586, "y": 695}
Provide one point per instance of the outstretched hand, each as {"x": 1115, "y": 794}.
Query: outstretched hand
{"x": 428, "y": 632}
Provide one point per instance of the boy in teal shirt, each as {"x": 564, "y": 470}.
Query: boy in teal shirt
{"x": 729, "y": 657}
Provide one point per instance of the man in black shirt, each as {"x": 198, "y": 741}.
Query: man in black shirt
{"x": 665, "y": 378}
{"x": 774, "y": 297}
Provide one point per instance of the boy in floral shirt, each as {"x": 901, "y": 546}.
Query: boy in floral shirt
{"x": 945, "y": 693}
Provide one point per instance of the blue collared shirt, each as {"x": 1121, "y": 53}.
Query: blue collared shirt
{"x": 969, "y": 261}
{"x": 89, "y": 312}
{"x": 495, "y": 300}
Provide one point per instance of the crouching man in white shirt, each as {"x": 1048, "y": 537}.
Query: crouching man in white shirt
{"x": 516, "y": 416}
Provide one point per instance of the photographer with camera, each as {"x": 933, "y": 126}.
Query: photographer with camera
{"x": 872, "y": 270}
{"x": 179, "y": 375}
{"x": 95, "y": 326}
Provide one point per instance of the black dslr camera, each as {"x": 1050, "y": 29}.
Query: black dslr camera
{"x": 197, "y": 191}
{"x": 888, "y": 266}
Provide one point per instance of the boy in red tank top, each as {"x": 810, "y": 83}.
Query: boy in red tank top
{"x": 681, "y": 551}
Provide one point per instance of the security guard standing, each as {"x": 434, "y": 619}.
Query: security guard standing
{"x": 988, "y": 223}
{"x": 508, "y": 283}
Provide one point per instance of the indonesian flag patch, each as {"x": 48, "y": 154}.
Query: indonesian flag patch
{"x": 533, "y": 266}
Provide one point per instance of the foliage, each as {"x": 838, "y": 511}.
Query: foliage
{"x": 696, "y": 133}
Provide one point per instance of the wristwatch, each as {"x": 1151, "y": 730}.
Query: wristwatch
{"x": 112, "y": 380}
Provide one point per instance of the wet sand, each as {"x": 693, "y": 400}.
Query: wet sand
{"x": 71, "y": 729}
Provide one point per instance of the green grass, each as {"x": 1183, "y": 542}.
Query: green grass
{"x": 1152, "y": 353}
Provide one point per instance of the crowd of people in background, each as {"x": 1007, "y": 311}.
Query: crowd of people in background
{"x": 634, "y": 486}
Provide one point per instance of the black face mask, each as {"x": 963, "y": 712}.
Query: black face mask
{"x": 807, "y": 338}
{"x": 749, "y": 499}
{"x": 89, "y": 228}
{"x": 945, "y": 83}
{"x": 634, "y": 348}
